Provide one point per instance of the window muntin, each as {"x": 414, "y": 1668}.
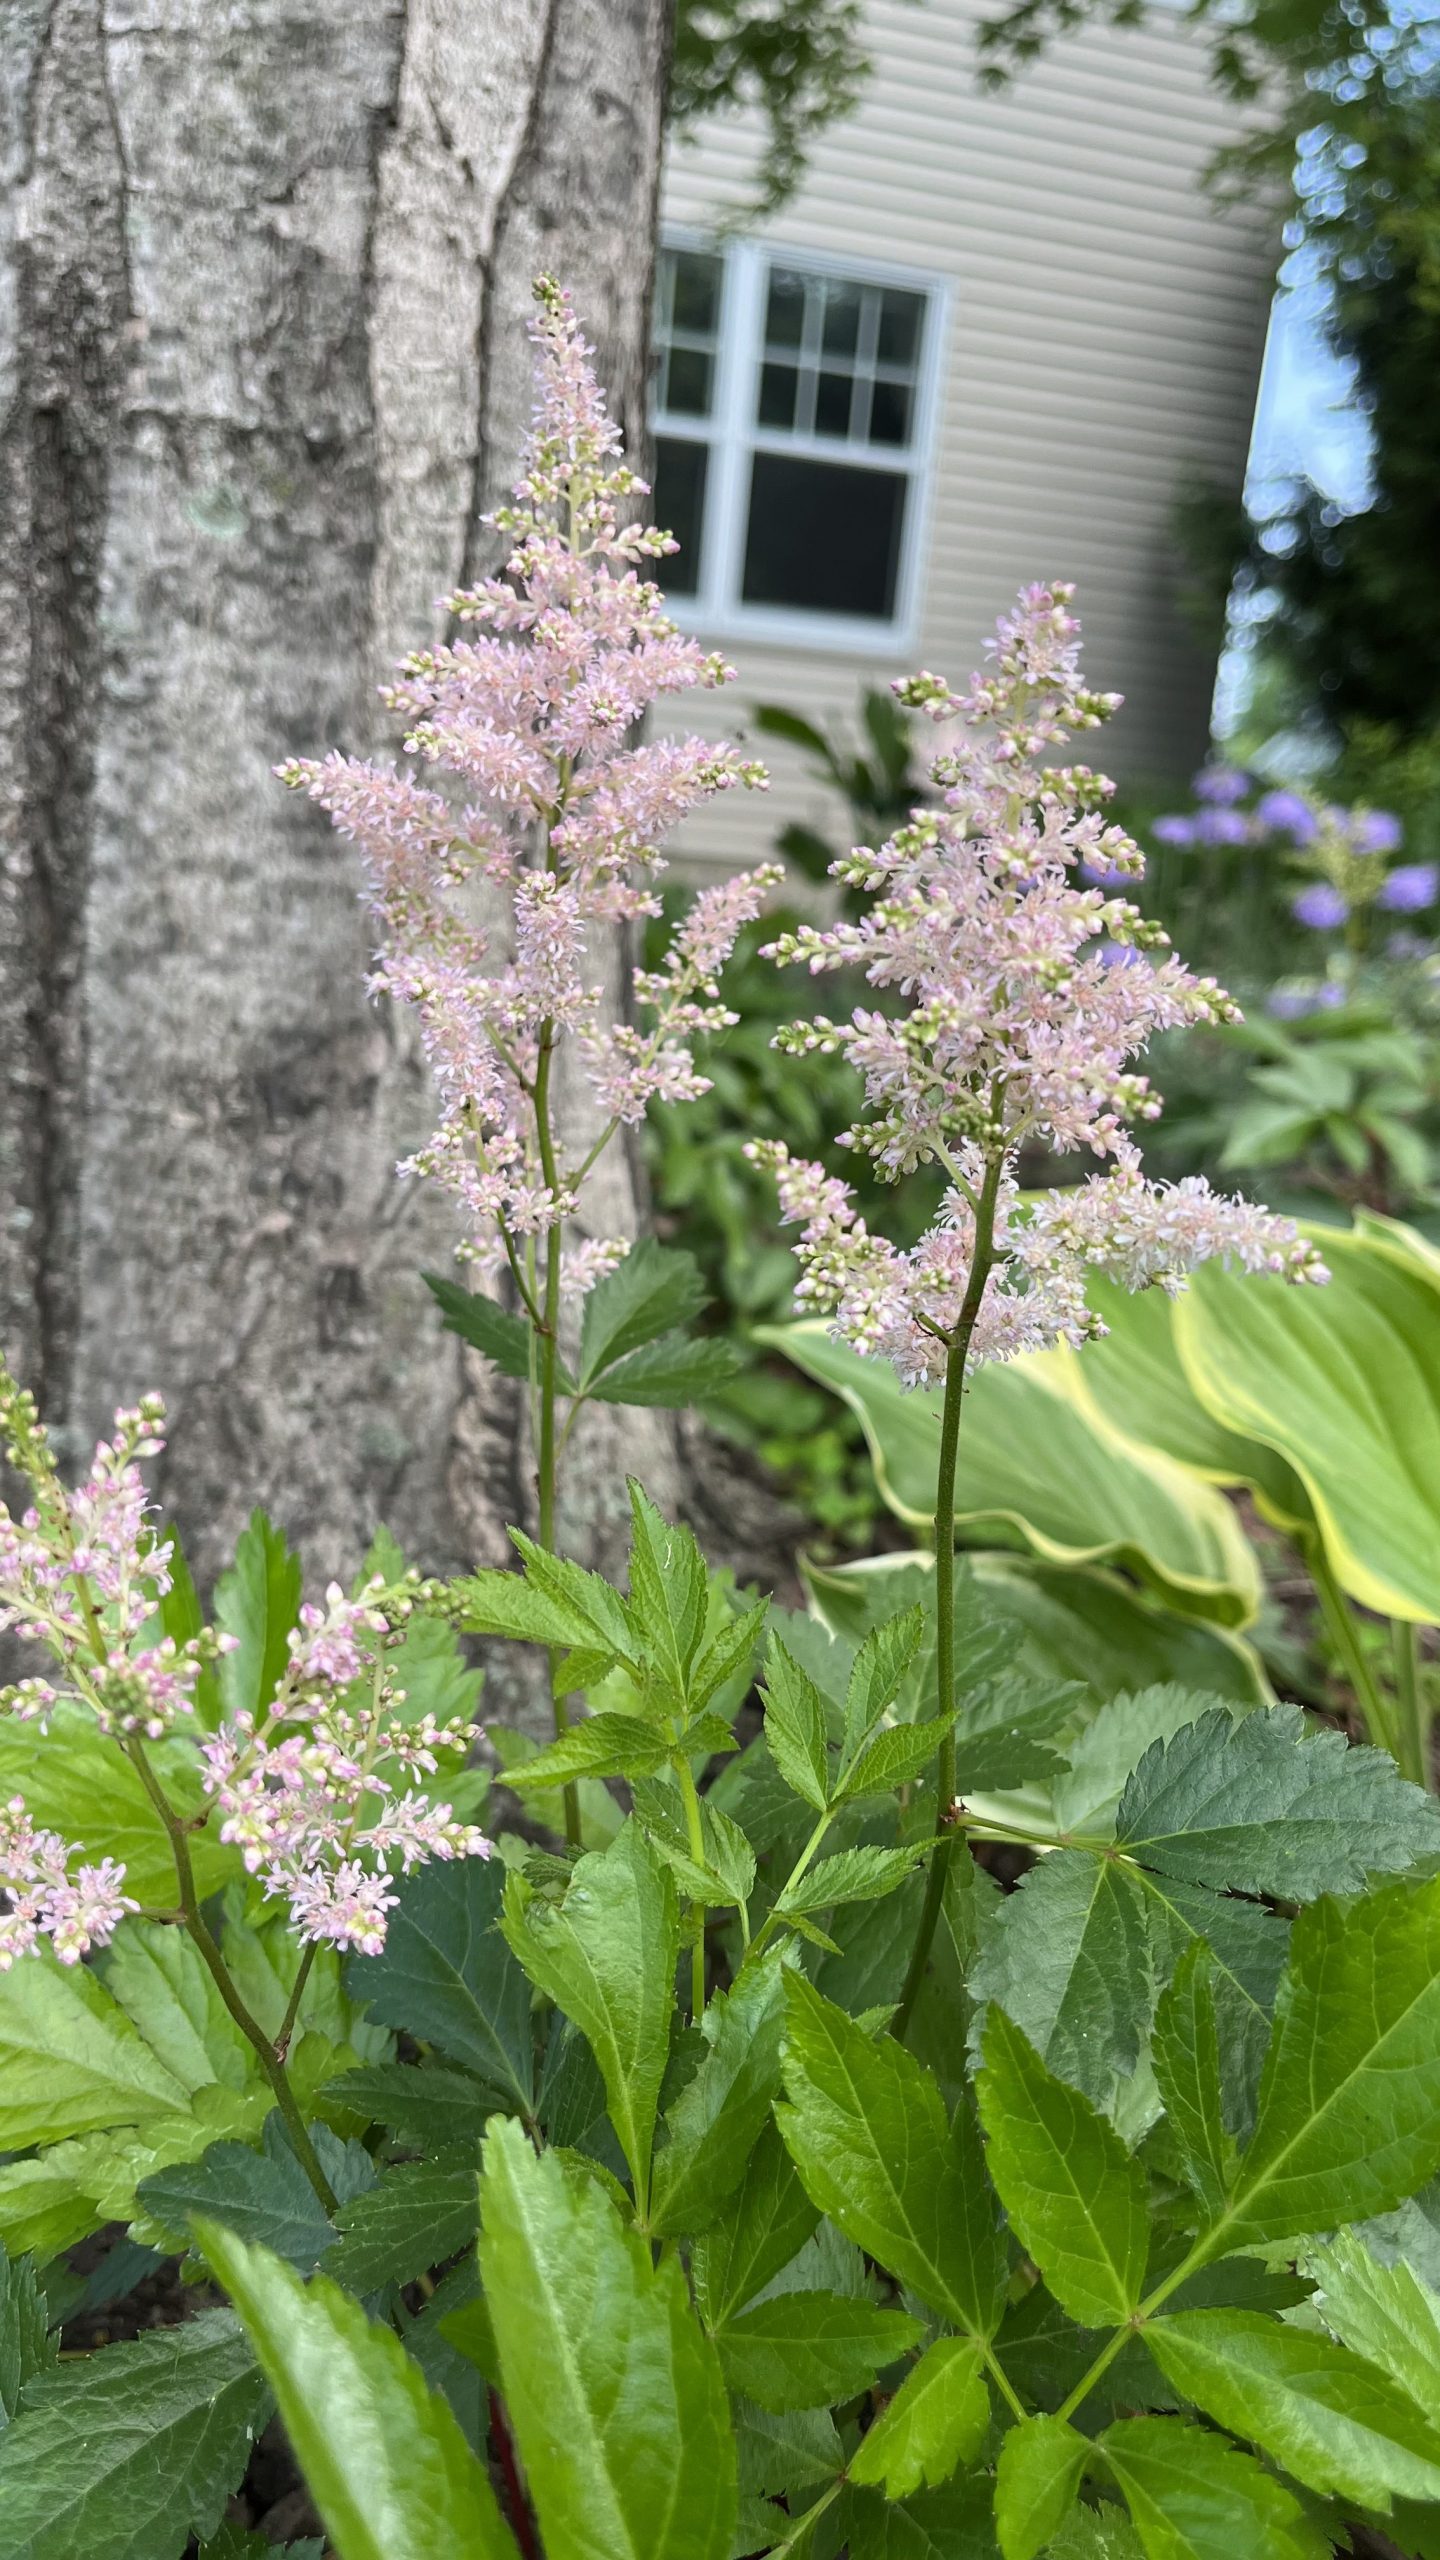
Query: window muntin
{"x": 791, "y": 402}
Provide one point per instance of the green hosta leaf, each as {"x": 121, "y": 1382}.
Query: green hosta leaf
{"x": 26, "y": 2348}
{"x": 262, "y": 2195}
{"x": 607, "y": 1958}
{"x": 1040, "y": 1469}
{"x": 1258, "y": 1807}
{"x": 447, "y": 1976}
{"x": 795, "y": 1727}
{"x": 614, "y": 2392}
{"x": 382, "y": 2454}
{"x": 719, "y": 2116}
{"x": 1186, "y": 2057}
{"x": 414, "y": 2217}
{"x": 936, "y": 2421}
{"x": 606, "y": 1745}
{"x": 1349, "y": 2114}
{"x": 672, "y": 1372}
{"x": 762, "y": 2227}
{"x": 853, "y": 1875}
{"x": 70, "y": 2060}
{"x": 879, "y": 1671}
{"x": 504, "y": 1338}
{"x": 1193, "y": 2497}
{"x": 805, "y": 2350}
{"x": 123, "y": 2455}
{"x": 1343, "y": 1383}
{"x": 1334, "y": 2421}
{"x": 1133, "y": 1373}
{"x": 1076, "y": 2200}
{"x": 867, "y": 2130}
{"x": 1068, "y": 1959}
{"x": 952, "y": 2523}
{"x": 1384, "y": 2313}
{"x": 428, "y": 2106}
{"x": 652, "y": 1292}
{"x": 258, "y": 1603}
{"x": 1037, "y": 2476}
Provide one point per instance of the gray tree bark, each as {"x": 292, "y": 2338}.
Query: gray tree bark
{"x": 263, "y": 284}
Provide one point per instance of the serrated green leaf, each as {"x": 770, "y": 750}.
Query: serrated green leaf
{"x": 1193, "y": 2497}
{"x": 1037, "y": 2477}
{"x": 1385, "y": 2313}
{"x": 867, "y": 2130}
{"x": 878, "y": 1673}
{"x": 652, "y": 1292}
{"x": 785, "y": 2454}
{"x": 727, "y": 1655}
{"x": 1005, "y": 1732}
{"x": 605, "y": 1745}
{"x": 1248, "y": 1945}
{"x": 26, "y": 2347}
{"x": 720, "y": 2114}
{"x": 672, "y": 1372}
{"x": 414, "y": 2217}
{"x": 429, "y": 2107}
{"x": 952, "y": 2523}
{"x": 504, "y": 1338}
{"x": 936, "y": 2421}
{"x": 727, "y": 1874}
{"x": 795, "y": 1727}
{"x": 1097, "y": 2533}
{"x": 261, "y": 2195}
{"x": 761, "y": 2229}
{"x": 607, "y": 1958}
{"x": 167, "y": 1990}
{"x": 1102, "y": 1758}
{"x": 70, "y": 2060}
{"x": 891, "y": 1758}
{"x": 447, "y": 1976}
{"x": 1349, "y": 2113}
{"x": 805, "y": 2350}
{"x": 1186, "y": 2058}
{"x": 614, "y": 2392}
{"x": 1337, "y": 2424}
{"x": 77, "y": 1782}
{"x": 669, "y": 1590}
{"x": 1068, "y": 1958}
{"x": 852, "y": 1875}
{"x": 382, "y": 2454}
{"x": 1260, "y": 1808}
{"x": 123, "y": 2455}
{"x": 1076, "y": 2200}
{"x": 258, "y": 1603}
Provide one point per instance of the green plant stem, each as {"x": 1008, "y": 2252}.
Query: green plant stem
{"x": 1204, "y": 2249}
{"x": 982, "y": 1264}
{"x": 549, "y": 1332}
{"x": 1412, "y": 1716}
{"x": 1380, "y": 1722}
{"x": 292, "y": 2006}
{"x": 776, "y": 1917}
{"x": 695, "y": 1831}
{"x": 269, "y": 2054}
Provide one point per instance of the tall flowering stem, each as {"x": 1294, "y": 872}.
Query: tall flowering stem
{"x": 532, "y": 718}
{"x": 1032, "y": 985}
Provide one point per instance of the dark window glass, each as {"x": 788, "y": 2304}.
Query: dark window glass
{"x": 842, "y": 319}
{"x": 776, "y": 407}
{"x": 832, "y": 404}
{"x": 687, "y": 383}
{"x": 680, "y": 469}
{"x": 899, "y": 328}
{"x": 823, "y": 536}
{"x": 695, "y": 302}
{"x": 889, "y": 413}
{"x": 785, "y": 315}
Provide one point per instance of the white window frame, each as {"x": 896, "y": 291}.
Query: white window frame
{"x": 717, "y": 608}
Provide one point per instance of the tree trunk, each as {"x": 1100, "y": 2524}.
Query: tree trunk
{"x": 262, "y": 368}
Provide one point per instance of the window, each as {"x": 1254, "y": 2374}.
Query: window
{"x": 791, "y": 425}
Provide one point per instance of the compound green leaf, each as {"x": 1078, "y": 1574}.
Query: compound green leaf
{"x": 1068, "y": 1958}
{"x": 1037, "y": 2476}
{"x": 879, "y": 1670}
{"x": 795, "y": 1727}
{"x": 674, "y": 1371}
{"x": 721, "y": 2113}
{"x": 123, "y": 2455}
{"x": 1076, "y": 2200}
{"x": 447, "y": 1976}
{"x": 258, "y": 1603}
{"x": 505, "y": 1339}
{"x": 936, "y": 2421}
{"x": 605, "y": 1745}
{"x": 614, "y": 2392}
{"x": 1385, "y": 2314}
{"x": 952, "y": 2523}
{"x": 166, "y": 1989}
{"x": 262, "y": 2195}
{"x": 1193, "y": 2497}
{"x": 77, "y": 1782}
{"x": 809, "y": 2350}
{"x": 1186, "y": 2058}
{"x": 1337, "y": 2424}
{"x": 867, "y": 2130}
{"x": 652, "y": 1292}
{"x": 762, "y": 2227}
{"x": 26, "y": 2347}
{"x": 414, "y": 2217}
{"x": 70, "y": 2060}
{"x": 382, "y": 2454}
{"x": 852, "y": 1875}
{"x": 429, "y": 2107}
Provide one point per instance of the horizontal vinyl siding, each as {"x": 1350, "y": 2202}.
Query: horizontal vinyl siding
{"x": 1103, "y": 338}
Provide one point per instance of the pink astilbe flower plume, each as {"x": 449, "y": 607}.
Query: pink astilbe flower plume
{"x": 529, "y": 713}
{"x": 1019, "y": 1027}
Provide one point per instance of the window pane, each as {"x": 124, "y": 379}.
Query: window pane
{"x": 899, "y": 341}
{"x": 832, "y": 404}
{"x": 687, "y": 383}
{"x": 776, "y": 406}
{"x": 680, "y": 471}
{"x": 889, "y": 413}
{"x": 823, "y": 536}
{"x": 842, "y": 319}
{"x": 785, "y": 316}
{"x": 696, "y": 291}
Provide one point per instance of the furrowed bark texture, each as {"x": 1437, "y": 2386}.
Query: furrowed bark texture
{"x": 263, "y": 284}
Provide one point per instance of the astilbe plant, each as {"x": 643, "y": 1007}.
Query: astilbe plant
{"x": 1033, "y": 985}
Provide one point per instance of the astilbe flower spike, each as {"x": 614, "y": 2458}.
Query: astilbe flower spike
{"x": 1020, "y": 1027}
{"x": 321, "y": 1793}
{"x": 529, "y": 715}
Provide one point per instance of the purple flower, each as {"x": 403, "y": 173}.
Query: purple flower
{"x": 1320, "y": 906}
{"x": 1377, "y": 831}
{"x": 1105, "y": 875}
{"x": 1291, "y": 1004}
{"x": 1286, "y": 812}
{"x": 1220, "y": 785}
{"x": 1222, "y": 826}
{"x": 1173, "y": 830}
{"x": 1409, "y": 888}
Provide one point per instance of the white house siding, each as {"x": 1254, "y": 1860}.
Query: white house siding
{"x": 1103, "y": 337}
